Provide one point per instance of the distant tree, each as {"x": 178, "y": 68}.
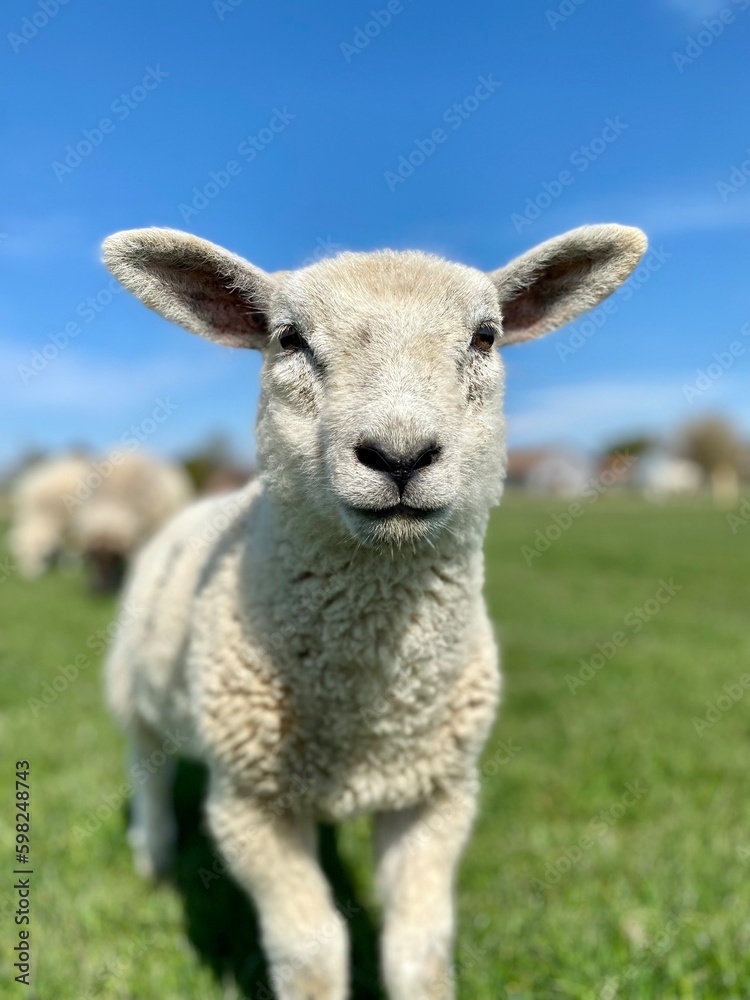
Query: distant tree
{"x": 212, "y": 465}
{"x": 713, "y": 445}
{"x": 31, "y": 456}
{"x": 710, "y": 442}
{"x": 634, "y": 446}
{"x": 201, "y": 463}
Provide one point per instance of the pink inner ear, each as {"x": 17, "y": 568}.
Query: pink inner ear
{"x": 526, "y": 309}
{"x": 522, "y": 313}
{"x": 219, "y": 300}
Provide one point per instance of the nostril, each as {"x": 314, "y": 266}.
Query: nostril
{"x": 400, "y": 468}
{"x": 373, "y": 458}
{"x": 428, "y": 456}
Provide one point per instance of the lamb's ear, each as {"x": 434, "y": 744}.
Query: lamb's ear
{"x": 194, "y": 283}
{"x": 562, "y": 278}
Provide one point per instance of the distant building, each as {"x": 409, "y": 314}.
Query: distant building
{"x": 660, "y": 475}
{"x": 549, "y": 472}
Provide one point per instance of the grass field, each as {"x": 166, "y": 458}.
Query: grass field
{"x": 612, "y": 855}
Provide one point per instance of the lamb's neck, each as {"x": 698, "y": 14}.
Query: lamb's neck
{"x": 319, "y": 598}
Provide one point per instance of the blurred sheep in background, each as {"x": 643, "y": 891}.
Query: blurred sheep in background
{"x": 40, "y": 529}
{"x": 98, "y": 510}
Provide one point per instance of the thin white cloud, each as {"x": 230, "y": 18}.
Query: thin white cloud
{"x": 562, "y": 410}
{"x": 697, "y": 10}
{"x": 671, "y": 217}
{"x": 74, "y": 383}
{"x": 660, "y": 213}
{"x": 592, "y": 414}
{"x": 34, "y": 238}
{"x": 699, "y": 208}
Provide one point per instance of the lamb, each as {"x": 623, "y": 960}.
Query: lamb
{"x": 320, "y": 638}
{"x": 40, "y": 530}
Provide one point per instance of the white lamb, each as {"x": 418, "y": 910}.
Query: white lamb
{"x": 321, "y": 637}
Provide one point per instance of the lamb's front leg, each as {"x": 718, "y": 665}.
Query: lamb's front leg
{"x": 417, "y": 853}
{"x": 275, "y": 859}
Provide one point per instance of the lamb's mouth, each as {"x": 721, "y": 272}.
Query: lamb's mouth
{"x": 399, "y": 510}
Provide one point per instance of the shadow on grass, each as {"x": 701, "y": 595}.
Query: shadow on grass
{"x": 220, "y": 921}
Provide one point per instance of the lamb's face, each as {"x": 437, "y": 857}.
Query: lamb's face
{"x": 382, "y": 394}
{"x": 382, "y": 389}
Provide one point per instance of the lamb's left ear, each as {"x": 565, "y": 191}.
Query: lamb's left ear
{"x": 194, "y": 283}
{"x": 562, "y": 278}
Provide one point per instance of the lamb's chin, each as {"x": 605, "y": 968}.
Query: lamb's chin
{"x": 394, "y": 527}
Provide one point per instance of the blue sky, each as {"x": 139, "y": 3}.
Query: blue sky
{"x": 642, "y": 104}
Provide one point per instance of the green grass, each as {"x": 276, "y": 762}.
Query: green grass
{"x": 655, "y": 905}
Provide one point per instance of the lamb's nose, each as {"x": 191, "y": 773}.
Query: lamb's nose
{"x": 400, "y": 468}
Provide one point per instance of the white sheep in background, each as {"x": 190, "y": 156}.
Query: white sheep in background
{"x": 124, "y": 499}
{"x": 100, "y": 509}
{"x": 41, "y": 522}
{"x": 324, "y": 646}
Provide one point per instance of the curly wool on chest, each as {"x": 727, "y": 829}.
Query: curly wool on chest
{"x": 339, "y": 683}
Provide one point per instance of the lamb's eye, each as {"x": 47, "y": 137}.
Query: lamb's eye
{"x": 484, "y": 337}
{"x": 292, "y": 340}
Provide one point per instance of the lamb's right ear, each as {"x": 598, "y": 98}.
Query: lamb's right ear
{"x": 194, "y": 283}
{"x": 564, "y": 277}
